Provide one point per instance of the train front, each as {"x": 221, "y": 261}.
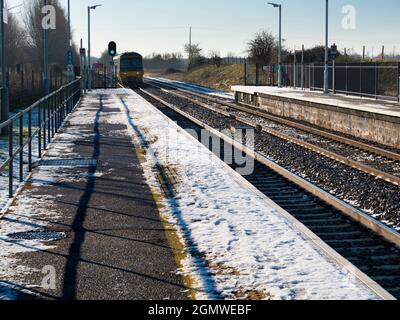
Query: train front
{"x": 131, "y": 69}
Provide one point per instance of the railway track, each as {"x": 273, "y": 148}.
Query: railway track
{"x": 367, "y": 244}
{"x": 376, "y": 161}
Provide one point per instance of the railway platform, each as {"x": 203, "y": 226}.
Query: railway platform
{"x": 85, "y": 225}
{"x": 366, "y": 118}
{"x": 126, "y": 204}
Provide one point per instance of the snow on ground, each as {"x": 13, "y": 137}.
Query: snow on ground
{"x": 338, "y": 100}
{"x": 196, "y": 88}
{"x": 249, "y": 248}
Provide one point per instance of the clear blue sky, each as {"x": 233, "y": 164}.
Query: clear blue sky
{"x": 227, "y": 25}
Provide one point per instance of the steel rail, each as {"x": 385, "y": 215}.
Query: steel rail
{"x": 324, "y": 152}
{"x": 243, "y": 107}
{"x": 364, "y": 219}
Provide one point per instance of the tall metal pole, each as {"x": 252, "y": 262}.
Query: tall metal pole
{"x": 4, "y": 112}
{"x": 69, "y": 24}
{"x": 70, "y": 73}
{"x": 46, "y": 85}
{"x": 302, "y": 67}
{"x": 89, "y": 62}
{"x": 280, "y": 49}
{"x": 326, "y": 69}
{"x": 294, "y": 69}
{"x": 190, "y": 47}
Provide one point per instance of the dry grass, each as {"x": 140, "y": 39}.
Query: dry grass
{"x": 211, "y": 76}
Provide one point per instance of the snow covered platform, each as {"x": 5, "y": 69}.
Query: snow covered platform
{"x": 86, "y": 225}
{"x": 366, "y": 118}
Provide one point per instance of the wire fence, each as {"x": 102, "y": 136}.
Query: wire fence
{"x": 379, "y": 80}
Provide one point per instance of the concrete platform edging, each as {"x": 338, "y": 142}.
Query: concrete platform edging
{"x": 371, "y": 126}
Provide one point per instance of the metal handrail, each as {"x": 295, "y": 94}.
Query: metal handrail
{"x": 51, "y": 112}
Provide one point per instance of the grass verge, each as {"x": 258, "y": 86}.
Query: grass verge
{"x": 211, "y": 76}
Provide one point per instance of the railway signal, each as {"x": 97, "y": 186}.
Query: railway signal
{"x": 112, "y": 49}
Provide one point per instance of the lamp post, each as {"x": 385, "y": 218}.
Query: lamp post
{"x": 275, "y": 5}
{"x": 326, "y": 68}
{"x": 70, "y": 65}
{"x": 4, "y": 85}
{"x": 89, "y": 62}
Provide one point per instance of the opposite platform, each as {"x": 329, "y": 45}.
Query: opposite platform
{"x": 365, "y": 118}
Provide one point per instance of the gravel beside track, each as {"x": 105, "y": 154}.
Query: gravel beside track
{"x": 373, "y": 195}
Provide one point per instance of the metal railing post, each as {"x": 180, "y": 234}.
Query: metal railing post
{"x": 49, "y": 126}
{"x": 21, "y": 150}
{"x": 30, "y": 140}
{"x": 39, "y": 121}
{"x": 52, "y": 118}
{"x": 11, "y": 163}
{"x": 45, "y": 129}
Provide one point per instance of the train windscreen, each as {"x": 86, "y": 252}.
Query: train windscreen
{"x": 132, "y": 64}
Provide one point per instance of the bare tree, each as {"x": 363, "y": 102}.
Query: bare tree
{"x": 156, "y": 61}
{"x": 263, "y": 48}
{"x": 215, "y": 57}
{"x": 195, "y": 54}
{"x": 15, "y": 41}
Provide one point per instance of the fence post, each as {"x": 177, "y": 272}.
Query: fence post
{"x": 294, "y": 70}
{"x": 398, "y": 81}
{"x": 273, "y": 75}
{"x": 257, "y": 75}
{"x": 347, "y": 79}
{"x": 302, "y": 68}
{"x": 313, "y": 83}
{"x": 376, "y": 80}
{"x": 334, "y": 76}
{"x": 361, "y": 95}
